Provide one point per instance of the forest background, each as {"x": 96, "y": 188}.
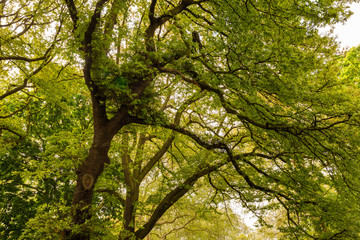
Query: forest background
{"x": 152, "y": 119}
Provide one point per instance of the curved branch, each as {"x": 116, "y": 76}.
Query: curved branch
{"x": 27, "y": 59}
{"x": 169, "y": 141}
{"x": 93, "y": 24}
{"x": 249, "y": 181}
{"x": 16, "y": 111}
{"x": 15, "y": 90}
{"x": 172, "y": 197}
{"x": 179, "y": 228}
{"x": 26, "y": 80}
{"x": 43, "y": 64}
{"x": 156, "y": 22}
{"x": 294, "y": 130}
{"x": 12, "y": 131}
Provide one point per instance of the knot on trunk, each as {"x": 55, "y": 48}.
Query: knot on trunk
{"x": 87, "y": 181}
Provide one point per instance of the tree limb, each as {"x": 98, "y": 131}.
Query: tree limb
{"x": 73, "y": 13}
{"x": 249, "y": 181}
{"x": 26, "y": 80}
{"x": 12, "y": 131}
{"x": 93, "y": 24}
{"x": 155, "y": 158}
{"x": 26, "y": 59}
{"x": 156, "y": 22}
{"x": 16, "y": 111}
{"x": 172, "y": 197}
{"x": 294, "y": 130}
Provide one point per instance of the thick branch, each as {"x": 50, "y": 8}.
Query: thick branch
{"x": 26, "y": 59}
{"x": 171, "y": 198}
{"x": 98, "y": 100}
{"x": 249, "y": 181}
{"x": 152, "y": 11}
{"x": 155, "y": 158}
{"x": 15, "y": 90}
{"x": 73, "y": 12}
{"x": 93, "y": 24}
{"x": 156, "y": 22}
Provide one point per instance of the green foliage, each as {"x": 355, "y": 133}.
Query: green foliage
{"x": 349, "y": 66}
{"x": 49, "y": 222}
{"x": 195, "y": 103}
{"x": 14, "y": 194}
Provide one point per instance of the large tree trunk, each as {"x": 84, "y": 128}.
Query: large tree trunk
{"x": 93, "y": 166}
{"x": 87, "y": 176}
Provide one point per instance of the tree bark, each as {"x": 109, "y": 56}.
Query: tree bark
{"x": 105, "y": 129}
{"x": 132, "y": 193}
{"x": 129, "y": 214}
{"x": 87, "y": 176}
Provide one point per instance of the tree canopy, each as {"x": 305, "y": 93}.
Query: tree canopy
{"x": 152, "y": 118}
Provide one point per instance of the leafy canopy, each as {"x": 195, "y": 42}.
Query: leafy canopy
{"x": 173, "y": 109}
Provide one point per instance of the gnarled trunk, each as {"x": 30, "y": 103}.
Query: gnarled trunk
{"x": 87, "y": 176}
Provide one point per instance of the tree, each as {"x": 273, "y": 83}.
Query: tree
{"x": 24, "y": 53}
{"x": 239, "y": 96}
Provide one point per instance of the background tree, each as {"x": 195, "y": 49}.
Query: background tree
{"x": 24, "y": 53}
{"x": 242, "y": 97}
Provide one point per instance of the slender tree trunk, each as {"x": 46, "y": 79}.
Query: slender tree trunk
{"x": 132, "y": 193}
{"x": 132, "y": 197}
